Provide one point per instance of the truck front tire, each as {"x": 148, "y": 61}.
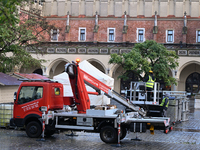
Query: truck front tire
{"x": 108, "y": 134}
{"x": 123, "y": 133}
{"x": 34, "y": 129}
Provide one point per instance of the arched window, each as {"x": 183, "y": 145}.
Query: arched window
{"x": 192, "y": 83}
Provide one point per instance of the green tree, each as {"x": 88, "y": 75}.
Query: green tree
{"x": 146, "y": 56}
{"x": 18, "y": 30}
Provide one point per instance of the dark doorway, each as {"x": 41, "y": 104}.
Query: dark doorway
{"x": 38, "y": 71}
{"x": 192, "y": 83}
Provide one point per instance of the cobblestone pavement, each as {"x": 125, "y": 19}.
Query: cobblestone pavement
{"x": 185, "y": 136}
{"x": 17, "y": 140}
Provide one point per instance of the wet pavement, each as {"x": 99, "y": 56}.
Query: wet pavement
{"x": 185, "y": 136}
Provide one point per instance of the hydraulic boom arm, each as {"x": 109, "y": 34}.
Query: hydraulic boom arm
{"x": 78, "y": 78}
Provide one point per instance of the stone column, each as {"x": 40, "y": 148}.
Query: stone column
{"x": 155, "y": 28}
{"x": 125, "y": 27}
{"x": 67, "y": 28}
{"x": 184, "y": 30}
{"x": 96, "y": 27}
{"x": 174, "y": 73}
{"x": 44, "y": 69}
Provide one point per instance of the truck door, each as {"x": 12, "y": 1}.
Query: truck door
{"x": 28, "y": 102}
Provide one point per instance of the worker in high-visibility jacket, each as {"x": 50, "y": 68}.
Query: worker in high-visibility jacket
{"x": 164, "y": 104}
{"x": 150, "y": 79}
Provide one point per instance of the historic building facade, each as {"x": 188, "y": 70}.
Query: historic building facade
{"x": 93, "y": 29}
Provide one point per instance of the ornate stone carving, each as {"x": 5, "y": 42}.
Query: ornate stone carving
{"x": 114, "y": 51}
{"x": 194, "y": 52}
{"x": 50, "y": 50}
{"x": 71, "y": 50}
{"x": 61, "y": 50}
{"x": 93, "y": 51}
{"x": 82, "y": 50}
{"x": 182, "y": 52}
{"x": 30, "y": 50}
{"x": 104, "y": 51}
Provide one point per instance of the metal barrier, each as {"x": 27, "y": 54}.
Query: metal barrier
{"x": 174, "y": 110}
{"x": 178, "y": 105}
{"x": 185, "y": 110}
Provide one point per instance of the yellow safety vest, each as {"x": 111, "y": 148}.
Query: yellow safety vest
{"x": 163, "y": 102}
{"x": 150, "y": 82}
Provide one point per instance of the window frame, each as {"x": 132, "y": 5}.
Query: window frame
{"x": 30, "y": 93}
{"x": 79, "y": 36}
{"x": 52, "y": 35}
{"x": 168, "y": 36}
{"x": 198, "y": 30}
{"x": 137, "y": 32}
{"x": 108, "y": 34}
{"x": 57, "y": 91}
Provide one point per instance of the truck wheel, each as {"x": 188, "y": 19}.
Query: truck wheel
{"x": 123, "y": 133}
{"x": 108, "y": 134}
{"x": 34, "y": 129}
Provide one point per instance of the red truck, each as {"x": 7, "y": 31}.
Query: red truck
{"x": 33, "y": 96}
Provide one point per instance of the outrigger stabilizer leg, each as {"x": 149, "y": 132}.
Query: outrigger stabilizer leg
{"x": 72, "y": 134}
{"x": 136, "y": 138}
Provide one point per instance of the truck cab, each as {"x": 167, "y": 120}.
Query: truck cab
{"x": 29, "y": 99}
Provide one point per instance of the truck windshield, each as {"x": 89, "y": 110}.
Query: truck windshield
{"x": 30, "y": 93}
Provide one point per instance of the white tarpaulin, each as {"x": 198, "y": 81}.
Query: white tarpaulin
{"x": 90, "y": 69}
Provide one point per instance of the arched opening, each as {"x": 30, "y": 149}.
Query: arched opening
{"x": 97, "y": 65}
{"x": 56, "y": 67}
{"x": 31, "y": 70}
{"x": 186, "y": 76}
{"x": 38, "y": 71}
{"x": 192, "y": 83}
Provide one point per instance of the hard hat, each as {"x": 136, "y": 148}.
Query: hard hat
{"x": 150, "y": 71}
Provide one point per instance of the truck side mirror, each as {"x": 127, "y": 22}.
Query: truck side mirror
{"x": 15, "y": 96}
